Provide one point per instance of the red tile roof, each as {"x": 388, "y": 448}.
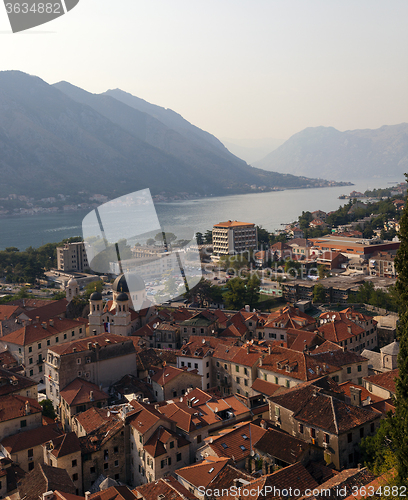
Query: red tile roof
{"x": 35, "y": 332}
{"x": 14, "y": 406}
{"x": 93, "y": 418}
{"x": 311, "y": 406}
{"x": 384, "y": 380}
{"x": 145, "y": 416}
{"x": 82, "y": 345}
{"x": 300, "y": 340}
{"x": 30, "y": 439}
{"x": 168, "y": 373}
{"x": 169, "y": 487}
{"x": 204, "y": 472}
{"x": 297, "y": 365}
{"x": 48, "y": 311}
{"x": 267, "y": 388}
{"x": 282, "y": 446}
{"x": 234, "y": 223}
{"x": 156, "y": 445}
{"x": 365, "y": 395}
{"x": 114, "y": 493}
{"x": 65, "y": 445}
{"x": 80, "y": 391}
{"x": 11, "y": 382}
{"x": 236, "y": 443}
{"x": 7, "y": 311}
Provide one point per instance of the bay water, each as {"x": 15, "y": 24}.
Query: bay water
{"x": 270, "y": 210}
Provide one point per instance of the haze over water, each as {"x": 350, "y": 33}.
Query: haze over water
{"x": 184, "y": 218}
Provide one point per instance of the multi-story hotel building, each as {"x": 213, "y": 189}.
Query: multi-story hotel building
{"x": 72, "y": 257}
{"x": 233, "y": 237}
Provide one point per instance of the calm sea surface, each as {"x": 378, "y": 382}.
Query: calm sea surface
{"x": 184, "y": 218}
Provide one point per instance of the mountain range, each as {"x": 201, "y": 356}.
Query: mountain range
{"x": 62, "y": 139}
{"x": 353, "y": 154}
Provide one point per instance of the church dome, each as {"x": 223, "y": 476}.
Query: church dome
{"x": 122, "y": 297}
{"x": 96, "y": 296}
{"x": 72, "y": 282}
{"x": 120, "y": 285}
{"x": 134, "y": 282}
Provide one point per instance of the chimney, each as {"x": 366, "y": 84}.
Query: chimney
{"x": 37, "y": 319}
{"x": 263, "y": 424}
{"x": 189, "y": 403}
{"x": 349, "y": 328}
{"x": 269, "y": 350}
{"x": 74, "y": 349}
{"x": 87, "y": 495}
{"x": 260, "y": 361}
{"x": 27, "y": 408}
{"x": 247, "y": 348}
{"x": 355, "y": 396}
{"x": 91, "y": 397}
{"x": 247, "y": 309}
{"x": 44, "y": 324}
{"x": 48, "y": 495}
{"x": 89, "y": 346}
{"x": 51, "y": 322}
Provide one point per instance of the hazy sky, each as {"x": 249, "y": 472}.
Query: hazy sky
{"x": 237, "y": 68}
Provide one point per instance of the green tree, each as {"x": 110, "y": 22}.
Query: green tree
{"x": 235, "y": 295}
{"x": 400, "y": 420}
{"x": 200, "y": 238}
{"x": 90, "y": 288}
{"x": 252, "y": 290}
{"x": 319, "y": 294}
{"x": 263, "y": 236}
{"x": 47, "y": 408}
{"x": 208, "y": 237}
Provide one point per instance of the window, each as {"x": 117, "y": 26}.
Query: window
{"x": 361, "y": 432}
{"x": 74, "y": 463}
{"x": 349, "y": 369}
{"x": 163, "y": 463}
{"x": 48, "y": 342}
{"x": 171, "y": 444}
{"x": 327, "y": 438}
{"x": 39, "y": 346}
{"x": 313, "y": 432}
{"x": 106, "y": 465}
{"x": 57, "y": 339}
{"x": 80, "y": 331}
{"x": 349, "y": 437}
{"x": 30, "y": 453}
{"x": 65, "y": 336}
{"x": 372, "y": 427}
{"x": 245, "y": 381}
{"x": 30, "y": 361}
{"x": 237, "y": 379}
{"x": 30, "y": 349}
{"x": 276, "y": 380}
{"x": 225, "y": 367}
{"x": 182, "y": 363}
{"x": 265, "y": 376}
{"x": 78, "y": 361}
{"x": 178, "y": 457}
{"x": 301, "y": 428}
{"x": 359, "y": 368}
{"x": 189, "y": 365}
{"x": 92, "y": 470}
{"x": 116, "y": 449}
{"x": 23, "y": 423}
{"x": 31, "y": 466}
{"x": 169, "y": 461}
{"x": 208, "y": 375}
{"x": 282, "y": 337}
{"x": 207, "y": 364}
{"x": 218, "y": 364}
{"x": 75, "y": 476}
{"x": 31, "y": 373}
{"x": 287, "y": 383}
{"x": 272, "y": 335}
{"x": 236, "y": 368}
{"x": 116, "y": 463}
{"x": 245, "y": 371}
{"x": 196, "y": 365}
{"x": 199, "y": 438}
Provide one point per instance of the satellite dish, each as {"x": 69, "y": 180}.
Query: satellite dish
{"x": 216, "y": 409}
{"x": 333, "y": 317}
{"x": 108, "y": 414}
{"x": 155, "y": 325}
{"x": 252, "y": 453}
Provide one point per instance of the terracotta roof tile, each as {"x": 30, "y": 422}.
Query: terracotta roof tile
{"x": 45, "y": 478}
{"x": 114, "y": 493}
{"x": 282, "y": 446}
{"x": 234, "y": 223}
{"x": 145, "y": 416}
{"x": 82, "y": 345}
{"x": 156, "y": 445}
{"x": 14, "y": 406}
{"x": 169, "y": 487}
{"x": 65, "y": 445}
{"x": 31, "y": 438}
{"x": 297, "y": 365}
{"x": 267, "y": 388}
{"x": 11, "y": 382}
{"x": 385, "y": 380}
{"x": 204, "y": 472}
{"x": 7, "y": 311}
{"x": 236, "y": 442}
{"x": 168, "y": 373}
{"x": 81, "y": 391}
